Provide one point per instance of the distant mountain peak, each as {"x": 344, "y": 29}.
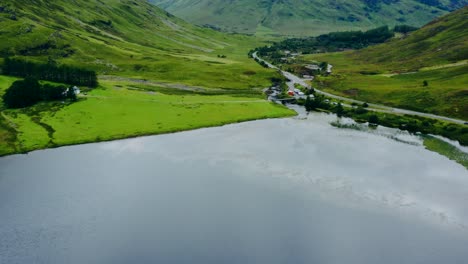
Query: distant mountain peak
{"x": 306, "y": 17}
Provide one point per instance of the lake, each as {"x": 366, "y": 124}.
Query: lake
{"x": 293, "y": 190}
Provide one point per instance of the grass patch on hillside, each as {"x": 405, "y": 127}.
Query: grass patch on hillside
{"x": 446, "y": 92}
{"x": 110, "y": 112}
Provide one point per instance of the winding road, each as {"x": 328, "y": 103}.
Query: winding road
{"x": 293, "y": 79}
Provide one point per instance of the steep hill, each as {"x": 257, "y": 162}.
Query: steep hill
{"x": 307, "y": 17}
{"x": 130, "y": 38}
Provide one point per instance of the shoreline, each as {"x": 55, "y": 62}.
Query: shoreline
{"x": 124, "y": 137}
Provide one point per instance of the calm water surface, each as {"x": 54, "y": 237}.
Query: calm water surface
{"x": 272, "y": 191}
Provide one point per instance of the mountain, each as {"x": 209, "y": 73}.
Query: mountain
{"x": 442, "y": 41}
{"x": 128, "y": 38}
{"x": 306, "y": 17}
{"x": 426, "y": 71}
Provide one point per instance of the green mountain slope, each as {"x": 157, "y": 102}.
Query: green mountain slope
{"x": 443, "y": 41}
{"x": 129, "y": 38}
{"x": 426, "y": 71}
{"x": 307, "y": 17}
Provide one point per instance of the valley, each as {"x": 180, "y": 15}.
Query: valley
{"x": 214, "y": 131}
{"x": 157, "y": 73}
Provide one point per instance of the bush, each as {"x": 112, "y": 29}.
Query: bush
{"x": 360, "y": 110}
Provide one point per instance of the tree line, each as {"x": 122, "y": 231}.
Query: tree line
{"x": 50, "y": 72}
{"x": 334, "y": 41}
{"x": 27, "y": 92}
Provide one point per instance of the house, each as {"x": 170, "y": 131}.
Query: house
{"x": 291, "y": 93}
{"x": 76, "y": 90}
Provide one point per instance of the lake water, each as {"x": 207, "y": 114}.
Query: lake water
{"x": 291, "y": 190}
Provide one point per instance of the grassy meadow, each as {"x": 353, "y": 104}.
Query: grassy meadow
{"x": 446, "y": 92}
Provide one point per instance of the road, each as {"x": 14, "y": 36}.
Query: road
{"x": 293, "y": 79}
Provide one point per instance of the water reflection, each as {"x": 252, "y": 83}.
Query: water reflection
{"x": 274, "y": 191}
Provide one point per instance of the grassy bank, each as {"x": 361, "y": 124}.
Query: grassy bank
{"x": 424, "y": 127}
{"x": 446, "y": 149}
{"x": 410, "y": 123}
{"x": 430, "y": 142}
{"x": 119, "y": 111}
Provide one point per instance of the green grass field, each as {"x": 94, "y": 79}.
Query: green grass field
{"x": 446, "y": 93}
{"x": 114, "y": 112}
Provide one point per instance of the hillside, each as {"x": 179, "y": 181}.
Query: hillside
{"x": 426, "y": 71}
{"x": 127, "y": 38}
{"x": 156, "y": 73}
{"x": 442, "y": 41}
{"x": 307, "y": 17}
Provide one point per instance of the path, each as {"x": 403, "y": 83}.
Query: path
{"x": 372, "y": 107}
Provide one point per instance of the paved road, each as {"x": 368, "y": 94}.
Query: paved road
{"x": 373, "y": 107}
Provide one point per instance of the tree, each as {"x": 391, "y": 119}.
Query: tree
{"x": 323, "y": 66}
{"x": 51, "y": 93}
{"x": 318, "y": 101}
{"x": 425, "y": 83}
{"x": 360, "y": 110}
{"x": 373, "y": 119}
{"x": 22, "y": 93}
{"x": 309, "y": 104}
{"x": 339, "y": 110}
{"x": 50, "y": 72}
{"x": 71, "y": 94}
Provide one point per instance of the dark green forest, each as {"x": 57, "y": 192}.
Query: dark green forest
{"x": 49, "y": 72}
{"x": 27, "y": 92}
{"x": 334, "y": 41}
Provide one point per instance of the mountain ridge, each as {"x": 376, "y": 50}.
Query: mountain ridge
{"x": 306, "y": 17}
